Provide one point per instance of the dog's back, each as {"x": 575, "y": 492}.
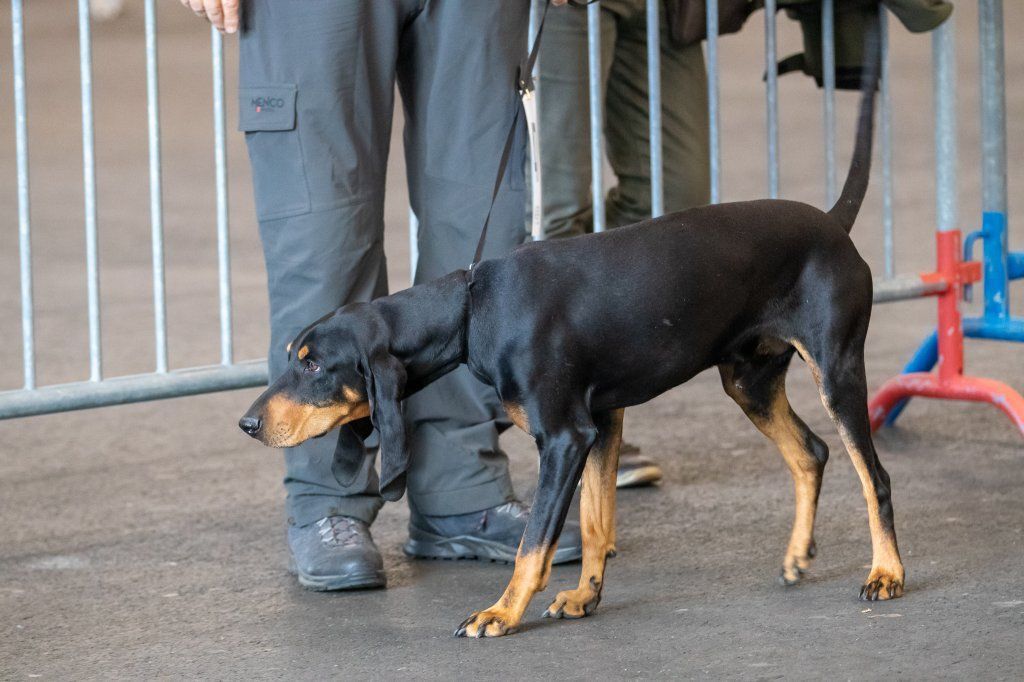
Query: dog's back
{"x": 678, "y": 293}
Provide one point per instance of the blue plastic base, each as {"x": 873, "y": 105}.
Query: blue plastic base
{"x": 923, "y": 360}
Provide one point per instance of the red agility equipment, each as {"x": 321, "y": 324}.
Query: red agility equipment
{"x": 949, "y": 381}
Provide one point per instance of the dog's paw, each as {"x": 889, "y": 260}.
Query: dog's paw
{"x": 790, "y": 575}
{"x": 793, "y": 569}
{"x": 573, "y": 604}
{"x": 489, "y": 623}
{"x": 882, "y": 584}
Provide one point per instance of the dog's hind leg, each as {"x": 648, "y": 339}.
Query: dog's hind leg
{"x": 758, "y": 385}
{"x": 597, "y": 520}
{"x": 838, "y": 369}
{"x": 563, "y": 451}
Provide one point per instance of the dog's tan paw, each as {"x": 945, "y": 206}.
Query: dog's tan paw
{"x": 882, "y": 584}
{"x": 793, "y": 569}
{"x": 576, "y": 603}
{"x": 795, "y": 566}
{"x": 490, "y": 623}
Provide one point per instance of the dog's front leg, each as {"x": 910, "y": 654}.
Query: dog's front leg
{"x": 561, "y": 461}
{"x": 597, "y": 520}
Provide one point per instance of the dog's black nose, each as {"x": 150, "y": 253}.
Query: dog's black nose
{"x": 250, "y": 425}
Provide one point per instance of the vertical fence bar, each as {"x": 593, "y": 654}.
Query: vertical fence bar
{"x": 944, "y": 85}
{"x": 92, "y": 265}
{"x": 828, "y": 66}
{"x": 414, "y": 246}
{"x": 220, "y": 157}
{"x": 993, "y": 106}
{"x": 886, "y": 141}
{"x": 596, "y": 113}
{"x": 993, "y": 157}
{"x": 156, "y": 213}
{"x": 536, "y": 187}
{"x": 771, "y": 68}
{"x": 28, "y": 352}
{"x": 654, "y": 107}
{"x": 714, "y": 143}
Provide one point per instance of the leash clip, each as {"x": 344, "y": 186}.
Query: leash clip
{"x": 525, "y": 84}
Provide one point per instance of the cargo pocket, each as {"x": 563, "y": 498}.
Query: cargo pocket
{"x": 267, "y": 117}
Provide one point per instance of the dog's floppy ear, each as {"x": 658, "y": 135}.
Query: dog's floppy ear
{"x": 385, "y": 385}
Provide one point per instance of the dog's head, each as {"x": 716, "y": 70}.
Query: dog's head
{"x": 340, "y": 372}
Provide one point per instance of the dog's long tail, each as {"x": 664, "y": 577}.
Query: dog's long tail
{"x": 848, "y": 205}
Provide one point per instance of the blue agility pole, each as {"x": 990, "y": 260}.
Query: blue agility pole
{"x": 1000, "y": 266}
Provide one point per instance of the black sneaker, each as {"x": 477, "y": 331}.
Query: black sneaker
{"x": 335, "y": 553}
{"x": 635, "y": 468}
{"x": 489, "y": 534}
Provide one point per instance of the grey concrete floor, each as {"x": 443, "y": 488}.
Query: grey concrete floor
{"x": 147, "y": 540}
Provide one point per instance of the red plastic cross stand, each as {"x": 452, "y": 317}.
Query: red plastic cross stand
{"x": 948, "y": 381}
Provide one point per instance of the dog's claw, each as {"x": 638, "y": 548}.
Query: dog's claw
{"x": 572, "y": 604}
{"x": 476, "y": 625}
{"x": 880, "y": 587}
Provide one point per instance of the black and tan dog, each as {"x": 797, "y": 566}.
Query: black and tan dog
{"x": 571, "y": 332}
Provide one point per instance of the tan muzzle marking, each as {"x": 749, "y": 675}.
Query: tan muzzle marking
{"x": 288, "y": 423}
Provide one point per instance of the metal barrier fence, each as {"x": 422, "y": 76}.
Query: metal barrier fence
{"x": 164, "y": 382}
{"x": 888, "y": 287}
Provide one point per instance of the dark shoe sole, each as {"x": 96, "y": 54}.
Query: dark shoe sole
{"x": 424, "y": 545}
{"x": 349, "y": 581}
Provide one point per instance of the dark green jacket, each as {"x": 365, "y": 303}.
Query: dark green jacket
{"x": 686, "y": 25}
{"x": 850, "y": 19}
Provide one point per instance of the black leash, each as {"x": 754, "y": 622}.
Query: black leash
{"x": 524, "y": 85}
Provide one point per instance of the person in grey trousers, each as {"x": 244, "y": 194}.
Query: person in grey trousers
{"x": 316, "y": 94}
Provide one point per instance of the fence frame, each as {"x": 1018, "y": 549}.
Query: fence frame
{"x": 1000, "y": 265}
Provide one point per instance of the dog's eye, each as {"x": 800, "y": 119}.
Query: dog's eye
{"x": 311, "y": 366}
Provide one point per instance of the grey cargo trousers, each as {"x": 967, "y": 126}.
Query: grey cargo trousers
{"x": 316, "y": 97}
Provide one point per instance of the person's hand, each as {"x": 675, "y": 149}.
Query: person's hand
{"x": 556, "y": 3}
{"x": 221, "y": 13}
